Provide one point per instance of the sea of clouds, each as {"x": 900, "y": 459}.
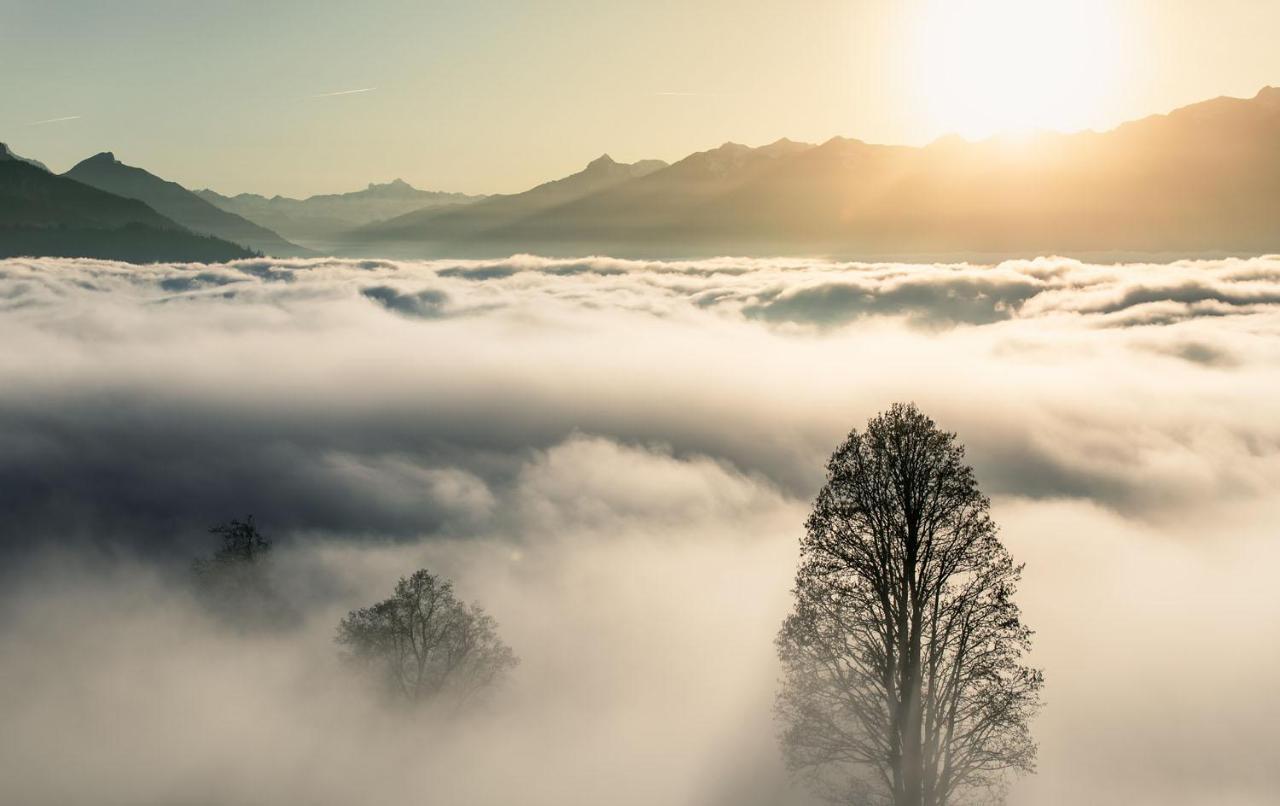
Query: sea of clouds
{"x": 616, "y": 458}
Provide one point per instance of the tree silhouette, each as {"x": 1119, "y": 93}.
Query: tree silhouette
{"x": 904, "y": 681}
{"x": 235, "y": 583}
{"x": 423, "y": 644}
{"x": 241, "y": 541}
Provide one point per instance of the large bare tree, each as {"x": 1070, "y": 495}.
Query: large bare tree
{"x": 904, "y": 681}
{"x": 423, "y": 643}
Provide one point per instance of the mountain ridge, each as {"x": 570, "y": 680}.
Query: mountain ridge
{"x": 105, "y": 172}
{"x": 599, "y": 173}
{"x": 6, "y": 153}
{"x": 44, "y": 214}
{"x": 1202, "y": 179}
{"x": 315, "y": 219}
{"x": 1199, "y": 180}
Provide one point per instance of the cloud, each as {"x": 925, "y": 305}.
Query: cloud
{"x": 145, "y": 402}
{"x": 596, "y": 483}
{"x": 615, "y": 457}
{"x": 426, "y": 304}
{"x": 1152, "y": 658}
{"x": 647, "y": 670}
{"x": 591, "y": 590}
{"x": 931, "y": 301}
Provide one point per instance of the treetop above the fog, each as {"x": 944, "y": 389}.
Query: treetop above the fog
{"x": 903, "y": 675}
{"x": 241, "y": 540}
{"x": 235, "y": 583}
{"x": 423, "y": 643}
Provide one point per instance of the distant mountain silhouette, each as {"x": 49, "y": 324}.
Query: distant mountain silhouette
{"x": 315, "y": 220}
{"x": 496, "y": 212}
{"x": 1204, "y": 179}
{"x": 6, "y": 153}
{"x": 172, "y": 200}
{"x": 45, "y": 214}
{"x": 670, "y": 199}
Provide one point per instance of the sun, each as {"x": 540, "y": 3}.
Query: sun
{"x": 1008, "y": 66}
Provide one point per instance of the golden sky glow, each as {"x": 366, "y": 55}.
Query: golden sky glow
{"x": 1004, "y": 66}
{"x": 498, "y": 95}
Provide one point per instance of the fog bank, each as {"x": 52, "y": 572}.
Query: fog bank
{"x": 616, "y": 459}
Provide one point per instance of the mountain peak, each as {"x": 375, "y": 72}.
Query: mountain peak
{"x": 104, "y": 162}
{"x": 396, "y": 184}
{"x": 1269, "y": 95}
{"x": 784, "y": 147}
{"x": 602, "y": 161}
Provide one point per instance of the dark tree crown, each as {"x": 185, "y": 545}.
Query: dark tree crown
{"x": 424, "y": 644}
{"x": 235, "y": 582}
{"x": 241, "y": 540}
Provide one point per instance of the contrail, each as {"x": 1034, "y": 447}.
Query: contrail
{"x": 53, "y": 120}
{"x": 344, "y": 92}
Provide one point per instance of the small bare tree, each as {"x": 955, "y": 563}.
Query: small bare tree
{"x": 424, "y": 644}
{"x": 904, "y": 681}
{"x": 241, "y": 541}
{"x": 235, "y": 581}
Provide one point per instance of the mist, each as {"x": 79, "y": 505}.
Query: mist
{"x": 616, "y": 459}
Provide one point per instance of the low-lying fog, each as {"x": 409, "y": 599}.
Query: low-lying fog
{"x": 615, "y": 459}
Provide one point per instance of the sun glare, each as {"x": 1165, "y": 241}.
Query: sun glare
{"x": 1008, "y": 66}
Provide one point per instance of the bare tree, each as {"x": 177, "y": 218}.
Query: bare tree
{"x": 904, "y": 681}
{"x": 235, "y": 582}
{"x": 241, "y": 541}
{"x": 423, "y": 643}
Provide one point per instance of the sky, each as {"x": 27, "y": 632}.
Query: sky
{"x": 482, "y": 96}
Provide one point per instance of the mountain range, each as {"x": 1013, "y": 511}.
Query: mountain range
{"x": 474, "y": 222}
{"x": 1202, "y": 180}
{"x": 315, "y": 221}
{"x": 104, "y": 172}
{"x": 42, "y": 213}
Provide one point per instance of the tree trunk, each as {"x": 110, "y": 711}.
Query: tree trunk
{"x": 912, "y": 726}
{"x": 912, "y": 744}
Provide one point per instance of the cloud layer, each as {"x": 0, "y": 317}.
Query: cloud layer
{"x": 616, "y": 458}
{"x": 396, "y": 399}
